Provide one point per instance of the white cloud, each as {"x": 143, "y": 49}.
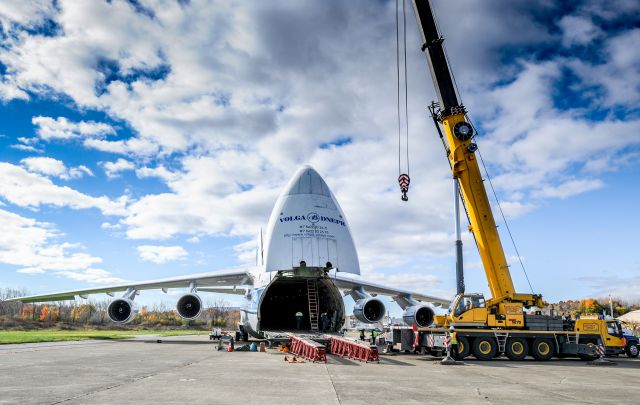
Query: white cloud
{"x": 27, "y": 13}
{"x": 34, "y": 247}
{"x": 161, "y": 254}
{"x": 160, "y": 172}
{"x": 110, "y": 226}
{"x": 55, "y": 168}
{"x": 91, "y": 275}
{"x": 26, "y": 189}
{"x": 113, "y": 169}
{"x": 570, "y": 188}
{"x": 578, "y": 30}
{"x": 48, "y": 128}
{"x": 279, "y": 79}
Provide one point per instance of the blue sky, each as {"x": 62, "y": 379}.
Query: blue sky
{"x": 151, "y": 138}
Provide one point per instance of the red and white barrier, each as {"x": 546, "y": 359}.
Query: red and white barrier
{"x": 354, "y": 350}
{"x": 308, "y": 349}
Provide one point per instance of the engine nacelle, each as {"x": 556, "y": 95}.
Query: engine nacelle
{"x": 122, "y": 310}
{"x": 189, "y": 306}
{"x": 421, "y": 315}
{"x": 369, "y": 310}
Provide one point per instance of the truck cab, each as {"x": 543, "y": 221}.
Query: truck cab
{"x": 610, "y": 331}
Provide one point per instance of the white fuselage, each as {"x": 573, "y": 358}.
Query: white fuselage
{"x": 307, "y": 235}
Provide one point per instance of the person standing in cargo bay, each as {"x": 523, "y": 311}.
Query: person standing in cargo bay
{"x": 299, "y": 316}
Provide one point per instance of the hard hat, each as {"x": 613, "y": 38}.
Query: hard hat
{"x": 451, "y": 327}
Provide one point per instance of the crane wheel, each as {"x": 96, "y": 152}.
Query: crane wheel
{"x": 516, "y": 349}
{"x": 485, "y": 348}
{"x": 463, "y": 348}
{"x": 542, "y": 349}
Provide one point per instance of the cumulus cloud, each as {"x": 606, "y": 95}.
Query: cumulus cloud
{"x": 48, "y": 128}
{"x": 35, "y": 248}
{"x": 113, "y": 169}
{"x": 225, "y": 128}
{"x": 578, "y": 30}
{"x": 25, "y": 189}
{"x": 161, "y": 254}
{"x": 55, "y": 168}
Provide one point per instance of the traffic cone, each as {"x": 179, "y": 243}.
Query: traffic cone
{"x": 230, "y": 347}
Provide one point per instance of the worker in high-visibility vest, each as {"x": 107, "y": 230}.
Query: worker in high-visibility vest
{"x": 454, "y": 341}
{"x": 299, "y": 316}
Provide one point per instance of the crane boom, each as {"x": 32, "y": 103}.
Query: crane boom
{"x": 500, "y": 325}
{"x": 461, "y": 153}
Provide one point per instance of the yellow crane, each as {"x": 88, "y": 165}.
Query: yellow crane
{"x": 499, "y": 324}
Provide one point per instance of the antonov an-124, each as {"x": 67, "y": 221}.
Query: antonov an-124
{"x": 310, "y": 258}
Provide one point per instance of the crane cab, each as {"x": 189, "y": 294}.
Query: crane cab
{"x": 472, "y": 310}
{"x": 468, "y": 310}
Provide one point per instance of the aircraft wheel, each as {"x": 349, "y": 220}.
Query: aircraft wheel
{"x": 463, "y": 348}
{"x": 517, "y": 349}
{"x": 485, "y": 348}
{"x": 542, "y": 349}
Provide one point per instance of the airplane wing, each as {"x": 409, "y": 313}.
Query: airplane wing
{"x": 211, "y": 281}
{"x": 347, "y": 283}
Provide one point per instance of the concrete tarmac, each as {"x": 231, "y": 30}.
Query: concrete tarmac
{"x": 190, "y": 370}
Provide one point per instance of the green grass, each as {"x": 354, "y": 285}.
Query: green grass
{"x": 53, "y": 335}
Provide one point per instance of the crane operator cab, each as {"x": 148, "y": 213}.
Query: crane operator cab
{"x": 468, "y": 310}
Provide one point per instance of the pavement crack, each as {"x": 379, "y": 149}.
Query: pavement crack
{"x": 335, "y": 391}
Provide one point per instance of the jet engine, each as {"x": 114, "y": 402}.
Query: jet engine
{"x": 189, "y": 306}
{"x": 122, "y": 310}
{"x": 421, "y": 315}
{"x": 369, "y": 310}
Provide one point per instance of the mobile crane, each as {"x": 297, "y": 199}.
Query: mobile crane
{"x": 497, "y": 325}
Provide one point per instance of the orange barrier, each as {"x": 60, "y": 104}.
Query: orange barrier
{"x": 308, "y": 349}
{"x": 354, "y": 350}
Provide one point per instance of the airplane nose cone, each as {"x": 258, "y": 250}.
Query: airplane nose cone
{"x": 307, "y": 181}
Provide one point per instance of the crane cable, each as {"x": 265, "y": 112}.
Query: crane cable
{"x": 486, "y": 172}
{"x": 403, "y": 178}
{"x": 504, "y": 219}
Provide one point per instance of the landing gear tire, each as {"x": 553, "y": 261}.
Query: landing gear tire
{"x": 517, "y": 349}
{"x": 463, "y": 348}
{"x": 542, "y": 349}
{"x": 485, "y": 348}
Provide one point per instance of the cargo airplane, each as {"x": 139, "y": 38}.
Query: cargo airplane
{"x": 310, "y": 259}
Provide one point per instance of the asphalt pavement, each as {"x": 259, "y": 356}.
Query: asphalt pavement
{"x": 191, "y": 370}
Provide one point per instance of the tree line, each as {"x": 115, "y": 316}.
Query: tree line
{"x": 94, "y": 313}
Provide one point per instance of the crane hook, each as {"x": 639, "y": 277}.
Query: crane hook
{"x": 404, "y": 182}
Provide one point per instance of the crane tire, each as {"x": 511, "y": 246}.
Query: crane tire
{"x": 542, "y": 349}
{"x": 463, "y": 348}
{"x": 485, "y": 348}
{"x": 516, "y": 349}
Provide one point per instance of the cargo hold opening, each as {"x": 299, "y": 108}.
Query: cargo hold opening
{"x": 285, "y": 296}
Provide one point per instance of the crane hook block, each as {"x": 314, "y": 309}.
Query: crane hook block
{"x": 404, "y": 182}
